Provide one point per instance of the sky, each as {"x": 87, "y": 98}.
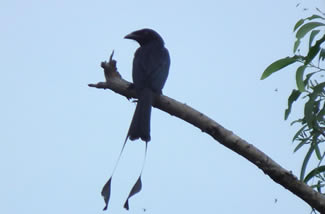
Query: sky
{"x": 60, "y": 139}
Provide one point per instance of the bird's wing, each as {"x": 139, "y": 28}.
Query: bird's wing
{"x": 150, "y": 67}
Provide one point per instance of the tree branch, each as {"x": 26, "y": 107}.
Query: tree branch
{"x": 219, "y": 133}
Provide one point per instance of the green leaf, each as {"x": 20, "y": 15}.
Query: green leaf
{"x": 279, "y": 64}
{"x": 309, "y": 107}
{"x": 312, "y": 36}
{"x": 305, "y": 162}
{"x": 321, "y": 55}
{"x": 311, "y": 103}
{"x": 303, "y": 142}
{"x": 321, "y": 114}
{"x": 314, "y": 172}
{"x": 319, "y": 186}
{"x": 308, "y": 76}
{"x": 319, "y": 88}
{"x": 298, "y": 24}
{"x": 296, "y": 45}
{"x": 314, "y": 50}
{"x": 317, "y": 151}
{"x": 316, "y": 107}
{"x": 297, "y": 121}
{"x": 300, "y": 78}
{"x": 315, "y": 17}
{"x": 304, "y": 29}
{"x": 299, "y": 132}
{"x": 301, "y": 21}
{"x": 292, "y": 98}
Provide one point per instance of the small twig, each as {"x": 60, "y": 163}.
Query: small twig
{"x": 114, "y": 80}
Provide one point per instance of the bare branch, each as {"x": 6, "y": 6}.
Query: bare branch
{"x": 220, "y": 134}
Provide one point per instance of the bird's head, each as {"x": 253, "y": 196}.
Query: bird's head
{"x": 145, "y": 36}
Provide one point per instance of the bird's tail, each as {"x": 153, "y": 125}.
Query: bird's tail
{"x": 140, "y": 125}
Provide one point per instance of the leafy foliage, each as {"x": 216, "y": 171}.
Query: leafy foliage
{"x": 310, "y": 89}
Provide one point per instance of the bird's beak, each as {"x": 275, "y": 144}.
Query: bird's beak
{"x": 130, "y": 36}
{"x": 135, "y": 36}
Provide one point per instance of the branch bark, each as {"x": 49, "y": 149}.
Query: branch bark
{"x": 285, "y": 178}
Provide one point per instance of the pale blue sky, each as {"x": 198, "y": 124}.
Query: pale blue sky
{"x": 60, "y": 139}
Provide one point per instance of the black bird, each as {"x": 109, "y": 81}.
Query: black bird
{"x": 150, "y": 70}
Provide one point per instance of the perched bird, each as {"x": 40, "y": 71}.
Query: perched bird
{"x": 150, "y": 70}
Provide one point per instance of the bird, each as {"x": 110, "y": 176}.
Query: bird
{"x": 150, "y": 70}
{"x": 149, "y": 73}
